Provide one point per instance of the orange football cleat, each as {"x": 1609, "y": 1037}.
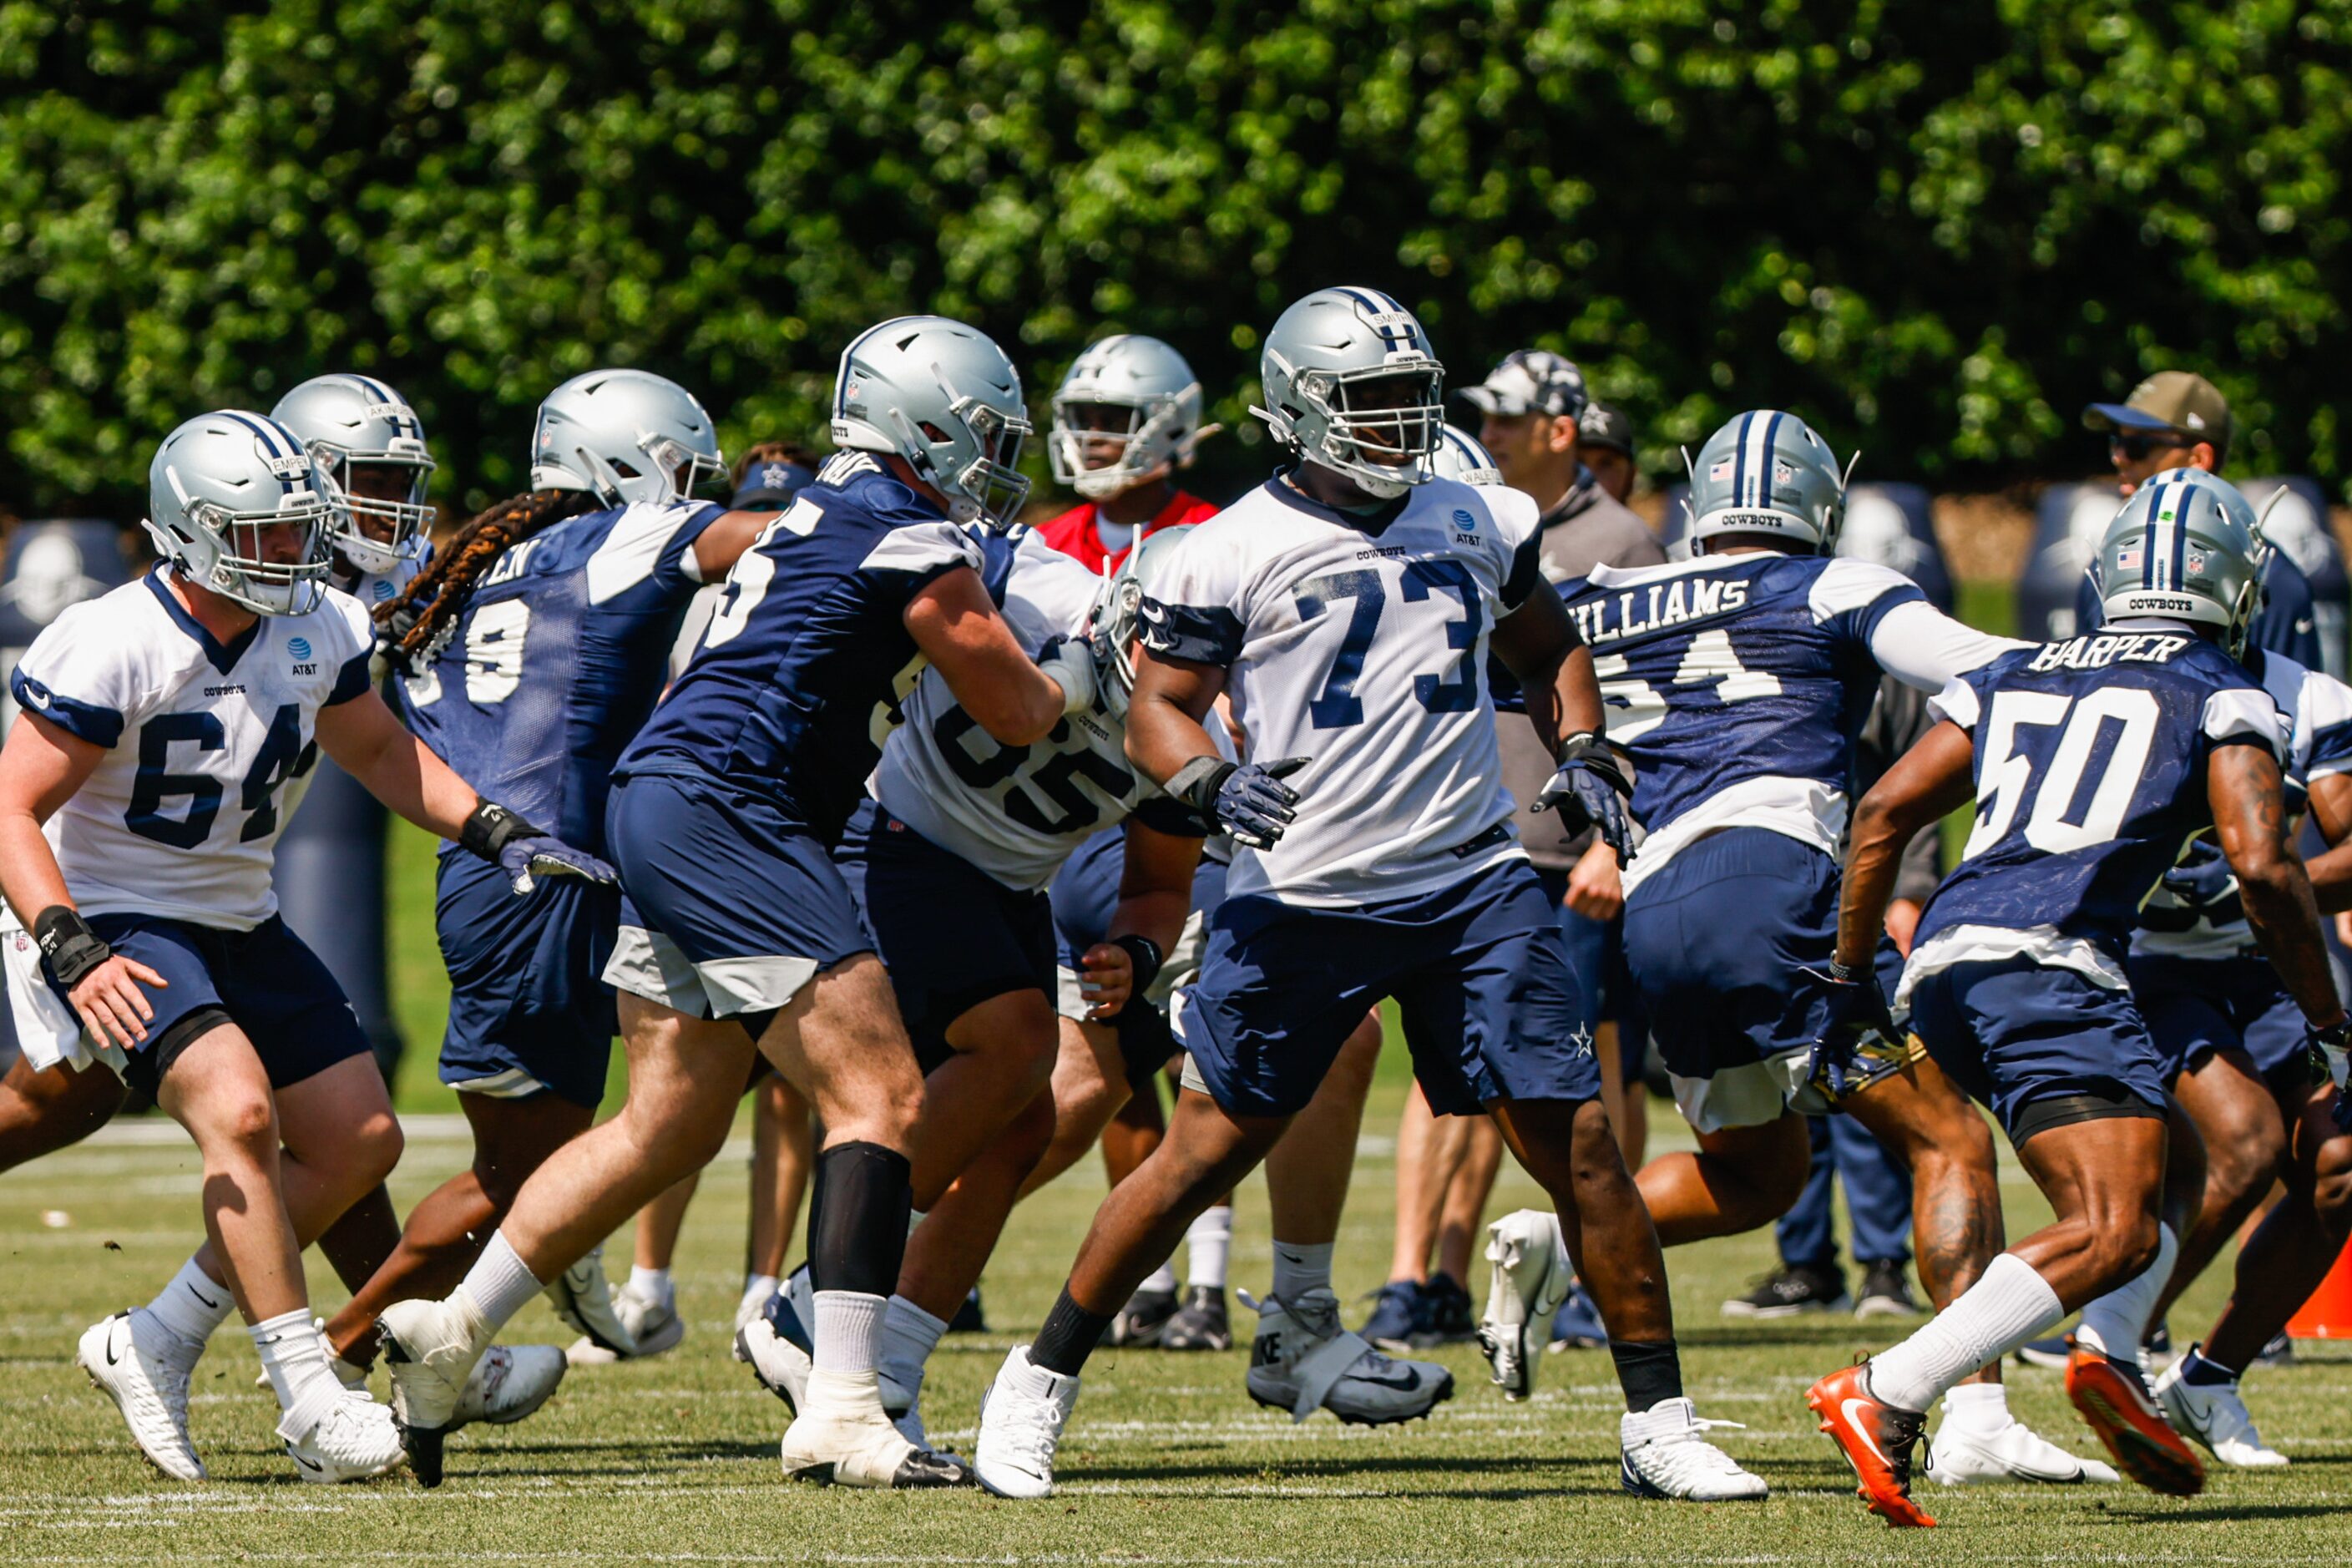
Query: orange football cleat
{"x": 2114, "y": 1398}
{"x": 1877, "y": 1440}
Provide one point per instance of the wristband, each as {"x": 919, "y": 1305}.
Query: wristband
{"x": 1843, "y": 975}
{"x": 1196, "y": 783}
{"x": 70, "y": 949}
{"x": 492, "y": 827}
{"x": 1144, "y": 953}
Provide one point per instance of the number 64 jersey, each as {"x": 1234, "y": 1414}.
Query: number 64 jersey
{"x": 1360, "y": 643}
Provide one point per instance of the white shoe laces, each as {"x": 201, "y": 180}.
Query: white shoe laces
{"x": 1031, "y": 1429}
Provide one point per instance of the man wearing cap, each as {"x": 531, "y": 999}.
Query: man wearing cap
{"x": 2176, "y": 419}
{"x": 1605, "y": 441}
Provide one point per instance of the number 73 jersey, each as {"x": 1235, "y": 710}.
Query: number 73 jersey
{"x": 2090, "y": 766}
{"x": 1360, "y": 643}
{"x": 208, "y": 746}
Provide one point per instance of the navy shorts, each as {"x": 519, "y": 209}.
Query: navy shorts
{"x": 951, "y": 935}
{"x": 1596, "y": 950}
{"x": 2196, "y": 1006}
{"x": 265, "y": 981}
{"x": 2017, "y": 1035}
{"x": 1085, "y": 896}
{"x": 1478, "y": 970}
{"x": 729, "y": 905}
{"x": 529, "y": 1008}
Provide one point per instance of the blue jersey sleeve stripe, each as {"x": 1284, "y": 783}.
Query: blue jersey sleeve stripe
{"x": 352, "y": 681}
{"x": 88, "y": 722}
{"x": 1198, "y": 635}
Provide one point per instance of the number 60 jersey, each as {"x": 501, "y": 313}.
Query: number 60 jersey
{"x": 1361, "y": 642}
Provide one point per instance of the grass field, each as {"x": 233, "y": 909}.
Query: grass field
{"x": 674, "y": 1459}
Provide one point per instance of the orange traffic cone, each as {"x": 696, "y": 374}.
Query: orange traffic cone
{"x": 2329, "y": 1314}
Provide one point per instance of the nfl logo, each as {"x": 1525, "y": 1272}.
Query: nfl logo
{"x": 1784, "y": 474}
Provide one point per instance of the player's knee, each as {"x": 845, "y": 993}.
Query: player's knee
{"x": 2123, "y": 1250}
{"x": 243, "y": 1122}
{"x": 372, "y": 1148}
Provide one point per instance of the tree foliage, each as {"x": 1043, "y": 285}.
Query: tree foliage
{"x": 1936, "y": 229}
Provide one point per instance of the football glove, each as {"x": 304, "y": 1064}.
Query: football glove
{"x": 2329, "y": 1065}
{"x": 1857, "y": 1009}
{"x": 525, "y": 853}
{"x": 1589, "y": 791}
{"x": 1249, "y": 802}
{"x": 1069, "y": 664}
{"x": 2204, "y": 882}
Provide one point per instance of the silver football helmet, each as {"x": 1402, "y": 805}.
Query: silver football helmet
{"x": 221, "y": 488}
{"x": 942, "y": 396}
{"x": 1129, "y": 411}
{"x": 624, "y": 436}
{"x": 1334, "y": 366}
{"x": 1766, "y": 472}
{"x": 1461, "y": 456}
{"x": 349, "y": 419}
{"x": 1111, "y": 622}
{"x": 2189, "y": 547}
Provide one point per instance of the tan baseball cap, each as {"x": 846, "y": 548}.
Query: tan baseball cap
{"x": 2174, "y": 402}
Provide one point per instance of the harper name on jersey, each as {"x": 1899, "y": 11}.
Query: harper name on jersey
{"x": 1017, "y": 812}
{"x": 1738, "y": 684}
{"x": 208, "y": 746}
{"x": 801, "y": 674}
{"x": 557, "y": 661}
{"x": 1360, "y": 642}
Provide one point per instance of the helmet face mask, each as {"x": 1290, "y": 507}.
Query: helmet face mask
{"x": 942, "y": 397}
{"x": 627, "y": 436}
{"x": 239, "y": 507}
{"x": 356, "y": 423}
{"x": 2189, "y": 547}
{"x": 1112, "y": 623}
{"x": 1352, "y": 386}
{"x": 1129, "y": 412}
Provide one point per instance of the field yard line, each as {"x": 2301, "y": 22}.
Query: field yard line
{"x": 1142, "y": 1560}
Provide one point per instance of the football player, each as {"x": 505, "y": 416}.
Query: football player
{"x": 738, "y": 934}
{"x": 1127, "y": 420}
{"x": 1742, "y": 677}
{"x": 1346, "y": 606}
{"x": 2092, "y": 761}
{"x": 168, "y": 731}
{"x": 530, "y": 654}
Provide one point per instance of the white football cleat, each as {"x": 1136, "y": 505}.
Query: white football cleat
{"x": 583, "y": 1297}
{"x": 753, "y": 1303}
{"x": 1664, "y": 1452}
{"x": 1022, "y": 1417}
{"x": 782, "y": 1366}
{"x": 430, "y": 1348}
{"x": 143, "y": 1367}
{"x": 1303, "y": 1360}
{"x": 356, "y": 1441}
{"x": 842, "y": 1439}
{"x": 1530, "y": 1279}
{"x": 1966, "y": 1456}
{"x": 2215, "y": 1414}
{"x": 507, "y": 1384}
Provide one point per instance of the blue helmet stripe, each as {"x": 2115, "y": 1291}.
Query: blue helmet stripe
{"x": 2150, "y": 576}
{"x": 2180, "y": 536}
{"x": 1393, "y": 338}
{"x": 270, "y": 433}
{"x": 1739, "y": 462}
{"x": 1764, "y": 461}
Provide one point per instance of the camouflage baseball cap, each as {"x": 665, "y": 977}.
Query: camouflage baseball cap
{"x": 1531, "y": 381}
{"x": 2170, "y": 402}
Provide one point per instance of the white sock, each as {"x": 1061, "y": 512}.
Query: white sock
{"x": 847, "y": 1333}
{"x": 1976, "y": 1407}
{"x": 1163, "y": 1278}
{"x": 294, "y": 1353}
{"x": 2117, "y": 1320}
{"x": 2009, "y": 1305}
{"x": 653, "y": 1285}
{"x": 1300, "y": 1268}
{"x": 193, "y": 1305}
{"x": 909, "y": 1334}
{"x": 1208, "y": 1242}
{"x": 498, "y": 1283}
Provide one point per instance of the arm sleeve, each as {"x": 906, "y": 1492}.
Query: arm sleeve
{"x": 2327, "y": 717}
{"x": 1921, "y": 646}
{"x": 78, "y": 678}
{"x": 1200, "y": 613}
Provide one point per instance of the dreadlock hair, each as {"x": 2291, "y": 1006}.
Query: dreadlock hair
{"x": 412, "y": 625}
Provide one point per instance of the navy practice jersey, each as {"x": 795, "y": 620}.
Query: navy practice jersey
{"x": 1738, "y": 683}
{"x": 557, "y": 661}
{"x": 800, "y": 675}
{"x": 2090, "y": 766}
{"x": 2287, "y": 623}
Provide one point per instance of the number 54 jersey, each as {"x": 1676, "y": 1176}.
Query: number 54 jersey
{"x": 208, "y": 746}
{"x": 1360, "y": 643}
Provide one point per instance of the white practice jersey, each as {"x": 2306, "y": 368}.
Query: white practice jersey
{"x": 208, "y": 747}
{"x": 1016, "y": 812}
{"x": 2316, "y": 710}
{"x": 1361, "y": 645}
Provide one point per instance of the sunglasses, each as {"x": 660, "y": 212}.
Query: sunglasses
{"x": 2136, "y": 447}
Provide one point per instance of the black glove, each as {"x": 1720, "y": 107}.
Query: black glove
{"x": 1250, "y": 802}
{"x": 1589, "y": 791}
{"x": 525, "y": 853}
{"x": 1857, "y": 1009}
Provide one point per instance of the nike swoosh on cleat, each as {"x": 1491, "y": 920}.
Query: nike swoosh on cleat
{"x": 310, "y": 1464}
{"x": 1846, "y": 1413}
{"x": 1407, "y": 1381}
{"x": 111, "y": 1357}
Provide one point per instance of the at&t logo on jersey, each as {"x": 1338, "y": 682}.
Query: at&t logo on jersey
{"x": 300, "y": 648}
